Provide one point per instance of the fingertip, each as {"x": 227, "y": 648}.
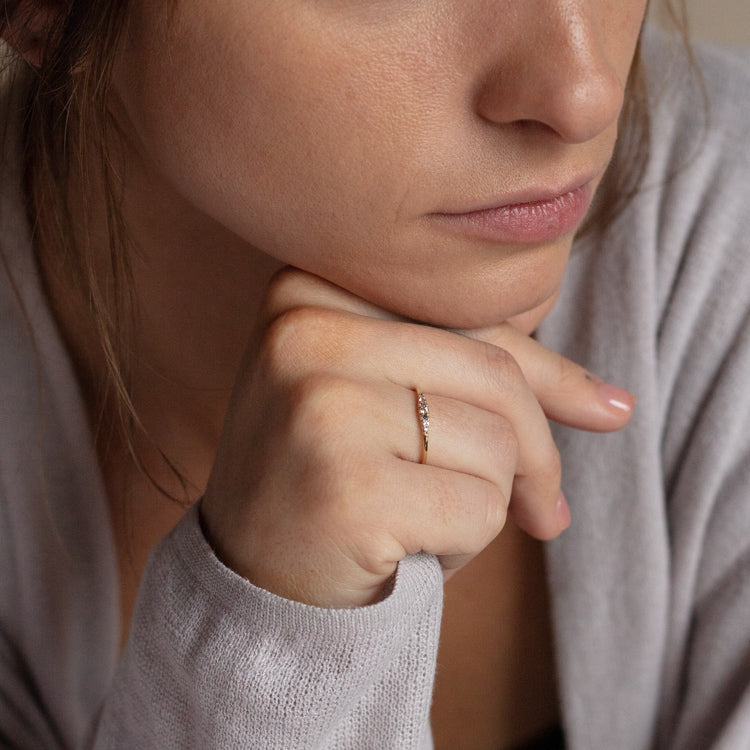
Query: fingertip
{"x": 543, "y": 526}
{"x": 562, "y": 512}
{"x": 619, "y": 399}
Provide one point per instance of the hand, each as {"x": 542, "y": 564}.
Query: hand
{"x": 317, "y": 491}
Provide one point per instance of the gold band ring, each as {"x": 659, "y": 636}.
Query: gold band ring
{"x": 423, "y": 415}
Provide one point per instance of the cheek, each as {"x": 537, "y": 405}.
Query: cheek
{"x": 288, "y": 142}
{"x": 623, "y": 26}
{"x": 309, "y": 146}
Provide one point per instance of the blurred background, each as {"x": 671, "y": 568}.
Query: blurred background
{"x": 726, "y": 21}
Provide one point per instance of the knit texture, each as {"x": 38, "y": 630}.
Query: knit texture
{"x": 650, "y": 586}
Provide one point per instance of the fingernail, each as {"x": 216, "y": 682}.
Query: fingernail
{"x": 563, "y": 512}
{"x": 616, "y": 397}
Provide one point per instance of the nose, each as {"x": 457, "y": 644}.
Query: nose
{"x": 558, "y": 73}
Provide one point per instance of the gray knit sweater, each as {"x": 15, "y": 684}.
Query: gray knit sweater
{"x": 650, "y": 586}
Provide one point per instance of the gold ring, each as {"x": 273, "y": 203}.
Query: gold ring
{"x": 423, "y": 415}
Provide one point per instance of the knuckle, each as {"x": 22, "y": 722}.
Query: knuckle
{"x": 284, "y": 341}
{"x": 568, "y": 374}
{"x": 501, "y": 368}
{"x": 474, "y": 516}
{"x": 284, "y": 288}
{"x": 494, "y": 516}
{"x": 298, "y": 337}
{"x": 447, "y": 506}
{"x": 501, "y": 440}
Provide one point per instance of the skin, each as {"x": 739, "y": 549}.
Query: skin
{"x": 325, "y": 134}
{"x": 326, "y": 137}
{"x": 329, "y": 136}
{"x": 254, "y": 134}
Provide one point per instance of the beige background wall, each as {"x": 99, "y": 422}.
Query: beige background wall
{"x": 720, "y": 20}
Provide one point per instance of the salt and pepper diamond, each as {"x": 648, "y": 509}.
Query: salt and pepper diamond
{"x": 424, "y": 417}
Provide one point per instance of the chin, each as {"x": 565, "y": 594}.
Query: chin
{"x": 474, "y": 307}
{"x": 521, "y": 289}
{"x": 525, "y": 317}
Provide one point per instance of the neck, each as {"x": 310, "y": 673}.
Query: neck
{"x": 196, "y": 294}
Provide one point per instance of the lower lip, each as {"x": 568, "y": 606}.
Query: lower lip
{"x": 537, "y": 221}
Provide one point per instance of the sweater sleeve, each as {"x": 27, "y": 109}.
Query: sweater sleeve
{"x": 214, "y": 662}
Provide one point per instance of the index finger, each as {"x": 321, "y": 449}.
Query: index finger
{"x": 567, "y": 392}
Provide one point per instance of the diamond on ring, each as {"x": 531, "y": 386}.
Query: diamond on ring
{"x": 423, "y": 414}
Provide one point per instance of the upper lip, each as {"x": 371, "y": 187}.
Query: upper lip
{"x": 525, "y": 196}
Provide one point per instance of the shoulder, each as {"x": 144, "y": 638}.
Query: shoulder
{"x": 661, "y": 300}
{"x": 692, "y": 214}
{"x": 697, "y": 81}
{"x": 699, "y": 171}
{"x": 690, "y": 227}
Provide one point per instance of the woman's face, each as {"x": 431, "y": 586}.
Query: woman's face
{"x": 432, "y": 156}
